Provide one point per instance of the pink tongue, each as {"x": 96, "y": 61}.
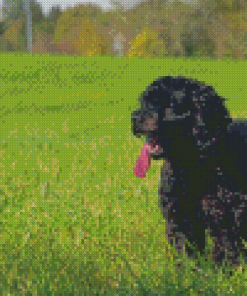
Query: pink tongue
{"x": 143, "y": 162}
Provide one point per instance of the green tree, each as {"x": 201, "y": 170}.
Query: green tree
{"x": 14, "y": 35}
{"x": 170, "y": 21}
{"x": 216, "y": 18}
{"x": 27, "y": 11}
{"x": 54, "y": 14}
{"x": 19, "y": 11}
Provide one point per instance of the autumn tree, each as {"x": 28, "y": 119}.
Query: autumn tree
{"x": 76, "y": 31}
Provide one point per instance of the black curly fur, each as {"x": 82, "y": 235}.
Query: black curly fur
{"x": 204, "y": 177}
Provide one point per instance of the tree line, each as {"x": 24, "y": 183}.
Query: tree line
{"x": 154, "y": 28}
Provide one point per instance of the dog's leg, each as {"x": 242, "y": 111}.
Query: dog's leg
{"x": 177, "y": 240}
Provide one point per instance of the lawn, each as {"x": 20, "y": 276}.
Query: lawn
{"x": 74, "y": 218}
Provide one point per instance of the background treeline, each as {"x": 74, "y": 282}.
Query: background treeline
{"x": 154, "y": 28}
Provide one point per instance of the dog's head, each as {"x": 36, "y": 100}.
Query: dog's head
{"x": 176, "y": 111}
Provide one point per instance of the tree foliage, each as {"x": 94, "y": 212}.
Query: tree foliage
{"x": 89, "y": 42}
{"x": 145, "y": 44}
{"x": 209, "y": 27}
{"x": 78, "y": 35}
{"x": 15, "y": 34}
{"x": 54, "y": 14}
{"x": 224, "y": 20}
{"x": 17, "y": 11}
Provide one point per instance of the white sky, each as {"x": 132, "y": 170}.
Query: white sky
{"x": 47, "y": 4}
{"x": 105, "y": 4}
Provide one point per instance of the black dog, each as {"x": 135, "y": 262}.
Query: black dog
{"x": 204, "y": 176}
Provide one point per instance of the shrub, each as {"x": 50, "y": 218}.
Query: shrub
{"x": 146, "y": 44}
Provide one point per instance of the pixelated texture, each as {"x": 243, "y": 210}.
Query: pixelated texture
{"x": 203, "y": 179}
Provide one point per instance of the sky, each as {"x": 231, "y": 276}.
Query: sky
{"x": 105, "y": 4}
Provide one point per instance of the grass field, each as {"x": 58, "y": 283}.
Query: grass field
{"x": 74, "y": 218}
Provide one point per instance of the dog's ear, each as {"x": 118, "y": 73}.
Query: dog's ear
{"x": 171, "y": 116}
{"x": 211, "y": 119}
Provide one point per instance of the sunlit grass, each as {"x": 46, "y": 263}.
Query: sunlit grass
{"x": 74, "y": 217}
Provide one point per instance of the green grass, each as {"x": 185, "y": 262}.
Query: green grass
{"x": 74, "y": 218}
